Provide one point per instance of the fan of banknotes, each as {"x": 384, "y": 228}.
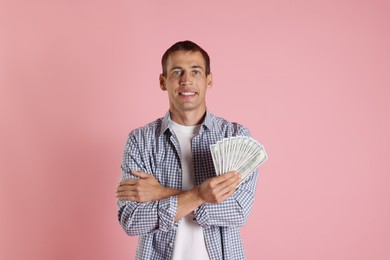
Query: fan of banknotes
{"x": 239, "y": 153}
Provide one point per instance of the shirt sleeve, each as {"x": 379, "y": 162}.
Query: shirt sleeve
{"x": 234, "y": 211}
{"x": 143, "y": 218}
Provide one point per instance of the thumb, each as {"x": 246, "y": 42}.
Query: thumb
{"x": 142, "y": 175}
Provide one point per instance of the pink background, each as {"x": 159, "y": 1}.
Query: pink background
{"x": 311, "y": 79}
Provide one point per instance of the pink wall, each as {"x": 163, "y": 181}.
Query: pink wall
{"x": 310, "y": 79}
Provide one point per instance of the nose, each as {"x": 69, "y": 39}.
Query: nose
{"x": 185, "y": 79}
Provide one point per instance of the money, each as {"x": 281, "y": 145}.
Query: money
{"x": 237, "y": 153}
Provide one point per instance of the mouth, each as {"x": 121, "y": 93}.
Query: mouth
{"x": 187, "y": 93}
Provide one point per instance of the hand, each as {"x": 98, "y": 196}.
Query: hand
{"x": 144, "y": 189}
{"x": 217, "y": 189}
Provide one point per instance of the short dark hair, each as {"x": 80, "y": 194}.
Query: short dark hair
{"x": 185, "y": 46}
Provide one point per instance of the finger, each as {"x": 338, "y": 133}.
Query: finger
{"x": 127, "y": 195}
{"x": 226, "y": 196}
{"x": 126, "y": 188}
{"x": 127, "y": 182}
{"x": 228, "y": 191}
{"x": 129, "y": 198}
{"x": 230, "y": 186}
{"x": 140, "y": 174}
{"x": 225, "y": 176}
{"x": 227, "y": 182}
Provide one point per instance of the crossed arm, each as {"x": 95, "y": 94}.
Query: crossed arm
{"x": 147, "y": 188}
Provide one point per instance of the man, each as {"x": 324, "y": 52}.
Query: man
{"x": 170, "y": 195}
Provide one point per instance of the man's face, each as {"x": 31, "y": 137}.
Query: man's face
{"x": 186, "y": 82}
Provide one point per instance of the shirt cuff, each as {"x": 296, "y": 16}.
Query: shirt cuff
{"x": 166, "y": 213}
{"x": 200, "y": 215}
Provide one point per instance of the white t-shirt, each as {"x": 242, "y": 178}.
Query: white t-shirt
{"x": 189, "y": 241}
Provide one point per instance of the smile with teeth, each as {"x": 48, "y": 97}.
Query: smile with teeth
{"x": 187, "y": 93}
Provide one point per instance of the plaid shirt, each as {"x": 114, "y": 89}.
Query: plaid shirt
{"x": 154, "y": 149}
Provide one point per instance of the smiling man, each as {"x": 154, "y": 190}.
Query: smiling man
{"x": 170, "y": 195}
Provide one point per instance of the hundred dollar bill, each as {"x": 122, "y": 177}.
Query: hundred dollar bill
{"x": 243, "y": 153}
{"x": 253, "y": 148}
{"x": 215, "y": 156}
{"x": 237, "y": 152}
{"x": 252, "y": 164}
{"x": 226, "y": 145}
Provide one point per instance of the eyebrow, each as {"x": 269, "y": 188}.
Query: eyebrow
{"x": 192, "y": 67}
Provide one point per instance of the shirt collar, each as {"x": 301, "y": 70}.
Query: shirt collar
{"x": 166, "y": 122}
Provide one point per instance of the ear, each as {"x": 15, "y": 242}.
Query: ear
{"x": 162, "y": 83}
{"x": 209, "y": 81}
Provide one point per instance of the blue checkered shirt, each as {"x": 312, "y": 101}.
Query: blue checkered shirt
{"x": 154, "y": 149}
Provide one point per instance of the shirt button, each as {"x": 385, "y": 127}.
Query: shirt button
{"x": 170, "y": 244}
{"x": 179, "y": 171}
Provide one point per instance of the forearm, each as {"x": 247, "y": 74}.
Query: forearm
{"x": 224, "y": 214}
{"x": 169, "y": 192}
{"x": 144, "y": 218}
{"x": 187, "y": 202}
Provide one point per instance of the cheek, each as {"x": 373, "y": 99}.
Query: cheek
{"x": 173, "y": 79}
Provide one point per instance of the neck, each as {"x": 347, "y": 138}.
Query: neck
{"x": 188, "y": 118}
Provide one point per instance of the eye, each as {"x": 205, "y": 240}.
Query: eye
{"x": 176, "y": 73}
{"x": 196, "y": 72}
